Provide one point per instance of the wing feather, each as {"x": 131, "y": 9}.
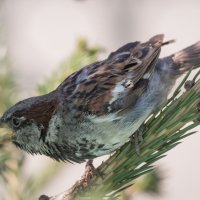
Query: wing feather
{"x": 115, "y": 84}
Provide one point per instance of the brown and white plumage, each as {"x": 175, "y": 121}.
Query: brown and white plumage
{"x": 96, "y": 109}
{"x": 114, "y": 84}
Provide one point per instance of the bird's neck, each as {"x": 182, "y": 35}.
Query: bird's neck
{"x": 41, "y": 108}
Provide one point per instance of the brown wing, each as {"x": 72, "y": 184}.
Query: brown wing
{"x": 114, "y": 84}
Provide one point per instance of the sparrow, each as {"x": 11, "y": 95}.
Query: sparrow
{"x": 97, "y": 109}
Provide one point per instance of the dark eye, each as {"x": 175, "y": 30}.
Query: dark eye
{"x": 16, "y": 122}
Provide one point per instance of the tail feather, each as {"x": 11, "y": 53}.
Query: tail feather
{"x": 187, "y": 58}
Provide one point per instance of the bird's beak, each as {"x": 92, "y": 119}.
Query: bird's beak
{"x": 1, "y": 122}
{"x": 6, "y": 134}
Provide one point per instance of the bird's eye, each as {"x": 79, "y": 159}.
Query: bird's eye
{"x": 16, "y": 122}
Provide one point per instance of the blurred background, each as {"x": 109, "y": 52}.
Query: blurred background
{"x": 43, "y": 41}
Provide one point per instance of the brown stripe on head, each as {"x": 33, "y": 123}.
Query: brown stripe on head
{"x": 37, "y": 109}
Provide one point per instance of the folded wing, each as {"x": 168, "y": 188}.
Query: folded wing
{"x": 114, "y": 84}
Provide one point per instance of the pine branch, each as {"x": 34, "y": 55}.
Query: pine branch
{"x": 164, "y": 130}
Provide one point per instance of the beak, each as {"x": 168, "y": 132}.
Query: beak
{"x": 1, "y": 121}
{"x": 6, "y": 134}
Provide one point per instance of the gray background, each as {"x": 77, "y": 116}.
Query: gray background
{"x": 41, "y": 33}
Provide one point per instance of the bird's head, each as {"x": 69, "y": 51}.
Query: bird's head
{"x": 29, "y": 120}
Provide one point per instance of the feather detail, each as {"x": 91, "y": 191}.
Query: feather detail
{"x": 186, "y": 59}
{"x": 114, "y": 84}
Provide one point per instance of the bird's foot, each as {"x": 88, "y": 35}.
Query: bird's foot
{"x": 137, "y": 139}
{"x": 189, "y": 84}
{"x": 90, "y": 171}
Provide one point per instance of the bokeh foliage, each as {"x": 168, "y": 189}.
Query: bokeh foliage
{"x": 15, "y": 184}
{"x": 82, "y": 56}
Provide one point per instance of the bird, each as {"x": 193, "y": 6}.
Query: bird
{"x": 98, "y": 108}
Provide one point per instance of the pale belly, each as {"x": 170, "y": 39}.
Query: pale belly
{"x": 102, "y": 135}
{"x": 105, "y": 137}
